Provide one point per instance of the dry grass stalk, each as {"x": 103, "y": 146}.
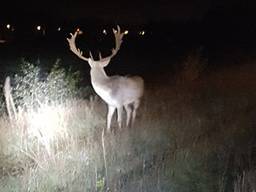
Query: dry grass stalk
{"x": 11, "y": 109}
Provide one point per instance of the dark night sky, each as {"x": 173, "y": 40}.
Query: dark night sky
{"x": 220, "y": 26}
{"x": 203, "y": 21}
{"x": 129, "y": 11}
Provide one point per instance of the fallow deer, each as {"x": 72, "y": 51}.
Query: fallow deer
{"x": 117, "y": 91}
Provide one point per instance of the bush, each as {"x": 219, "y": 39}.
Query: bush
{"x": 33, "y": 87}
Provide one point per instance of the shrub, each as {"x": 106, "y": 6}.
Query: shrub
{"x": 33, "y": 87}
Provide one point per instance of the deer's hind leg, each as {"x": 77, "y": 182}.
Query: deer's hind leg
{"x": 128, "y": 110}
{"x": 136, "y": 105}
{"x": 119, "y": 116}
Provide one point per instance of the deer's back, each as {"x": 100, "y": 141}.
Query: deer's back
{"x": 124, "y": 90}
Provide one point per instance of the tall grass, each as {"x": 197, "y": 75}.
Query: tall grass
{"x": 191, "y": 136}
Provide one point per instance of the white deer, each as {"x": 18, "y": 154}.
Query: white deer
{"x": 117, "y": 91}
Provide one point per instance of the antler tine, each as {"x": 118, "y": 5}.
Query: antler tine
{"x": 72, "y": 45}
{"x": 100, "y": 56}
{"x": 91, "y": 56}
{"x": 118, "y": 39}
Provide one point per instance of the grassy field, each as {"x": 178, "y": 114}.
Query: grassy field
{"x": 194, "y": 132}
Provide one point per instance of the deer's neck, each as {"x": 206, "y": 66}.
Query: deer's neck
{"x": 100, "y": 83}
{"x": 98, "y": 76}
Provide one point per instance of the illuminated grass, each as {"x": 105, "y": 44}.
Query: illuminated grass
{"x": 183, "y": 140}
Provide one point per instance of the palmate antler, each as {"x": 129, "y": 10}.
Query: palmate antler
{"x": 79, "y": 53}
{"x": 72, "y": 45}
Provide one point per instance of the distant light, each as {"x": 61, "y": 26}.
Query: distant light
{"x": 8, "y": 26}
{"x": 104, "y": 32}
{"x": 59, "y": 29}
{"x": 142, "y": 33}
{"x": 79, "y": 31}
{"x": 38, "y": 27}
{"x": 126, "y": 32}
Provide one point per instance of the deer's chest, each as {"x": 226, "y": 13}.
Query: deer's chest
{"x": 105, "y": 93}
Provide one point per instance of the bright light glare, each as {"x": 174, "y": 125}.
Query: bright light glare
{"x": 47, "y": 124}
{"x": 104, "y": 32}
{"x": 59, "y": 29}
{"x": 126, "y": 32}
{"x": 38, "y": 27}
{"x": 8, "y": 26}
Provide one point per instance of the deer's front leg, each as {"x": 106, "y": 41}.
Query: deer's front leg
{"x": 111, "y": 111}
